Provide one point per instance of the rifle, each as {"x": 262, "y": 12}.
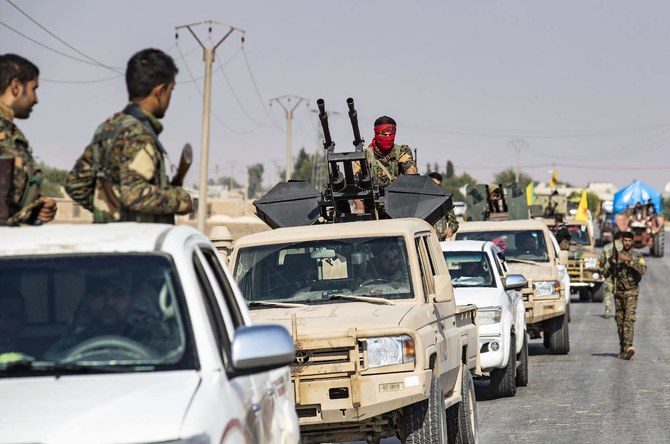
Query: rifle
{"x": 185, "y": 162}
{"x": 615, "y": 255}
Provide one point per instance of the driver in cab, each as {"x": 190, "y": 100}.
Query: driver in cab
{"x": 109, "y": 309}
{"x": 386, "y": 265}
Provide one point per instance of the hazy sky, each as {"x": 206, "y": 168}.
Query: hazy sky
{"x": 584, "y": 83}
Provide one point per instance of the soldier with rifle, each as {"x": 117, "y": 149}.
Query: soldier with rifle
{"x": 20, "y": 198}
{"x": 626, "y": 269}
{"x": 121, "y": 174}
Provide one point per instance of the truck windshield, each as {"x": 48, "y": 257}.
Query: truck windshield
{"x": 469, "y": 269}
{"x": 516, "y": 244}
{"x": 313, "y": 271}
{"x": 579, "y": 234}
{"x": 116, "y": 311}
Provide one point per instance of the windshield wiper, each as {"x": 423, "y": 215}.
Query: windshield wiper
{"x": 30, "y": 366}
{"x": 522, "y": 261}
{"x": 274, "y": 304}
{"x": 351, "y": 297}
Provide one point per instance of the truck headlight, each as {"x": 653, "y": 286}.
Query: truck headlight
{"x": 547, "y": 288}
{"x": 591, "y": 262}
{"x": 390, "y": 350}
{"x": 489, "y": 315}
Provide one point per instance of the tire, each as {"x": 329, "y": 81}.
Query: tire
{"x": 522, "y": 369}
{"x": 425, "y": 422}
{"x": 584, "y": 295}
{"x": 503, "y": 380}
{"x": 559, "y": 336}
{"x": 462, "y": 417}
{"x": 659, "y": 244}
{"x": 598, "y": 293}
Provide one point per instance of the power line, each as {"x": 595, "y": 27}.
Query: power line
{"x": 237, "y": 99}
{"x": 61, "y": 40}
{"x": 107, "y": 79}
{"x": 258, "y": 93}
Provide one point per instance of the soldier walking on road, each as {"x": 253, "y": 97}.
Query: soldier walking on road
{"x": 447, "y": 226}
{"x": 20, "y": 200}
{"x": 121, "y": 174}
{"x": 626, "y": 269}
{"x": 608, "y": 288}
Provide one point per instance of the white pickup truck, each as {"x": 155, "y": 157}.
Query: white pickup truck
{"x": 133, "y": 333}
{"x": 479, "y": 277}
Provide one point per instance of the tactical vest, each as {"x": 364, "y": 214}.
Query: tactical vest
{"x": 375, "y": 163}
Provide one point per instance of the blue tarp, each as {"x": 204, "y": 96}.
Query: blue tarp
{"x": 634, "y": 193}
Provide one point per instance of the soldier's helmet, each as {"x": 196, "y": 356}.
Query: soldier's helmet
{"x": 221, "y": 237}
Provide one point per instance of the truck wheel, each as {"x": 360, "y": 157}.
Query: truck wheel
{"x": 522, "y": 369}
{"x": 597, "y": 293}
{"x": 425, "y": 422}
{"x": 462, "y": 417}
{"x": 559, "y": 336}
{"x": 503, "y": 380}
{"x": 659, "y": 244}
{"x": 584, "y": 295}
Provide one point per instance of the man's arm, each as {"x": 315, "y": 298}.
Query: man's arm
{"x": 80, "y": 181}
{"x": 406, "y": 161}
{"x": 139, "y": 165}
{"x": 638, "y": 264}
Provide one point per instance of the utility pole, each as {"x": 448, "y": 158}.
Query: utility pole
{"x": 517, "y": 144}
{"x": 289, "y": 118}
{"x": 208, "y": 55}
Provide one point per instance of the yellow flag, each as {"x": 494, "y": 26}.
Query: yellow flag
{"x": 553, "y": 183}
{"x": 582, "y": 210}
{"x": 530, "y": 194}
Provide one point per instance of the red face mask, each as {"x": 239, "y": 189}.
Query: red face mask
{"x": 384, "y": 138}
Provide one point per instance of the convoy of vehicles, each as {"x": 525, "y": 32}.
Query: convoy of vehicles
{"x": 134, "y": 333}
{"x": 479, "y": 276}
{"x": 383, "y": 349}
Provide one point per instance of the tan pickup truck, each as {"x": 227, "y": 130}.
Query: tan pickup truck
{"x": 382, "y": 348}
{"x": 529, "y": 251}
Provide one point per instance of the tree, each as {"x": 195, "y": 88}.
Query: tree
{"x": 508, "y": 175}
{"x": 255, "y": 183}
{"x": 302, "y": 170}
{"x": 450, "y": 170}
{"x": 52, "y": 180}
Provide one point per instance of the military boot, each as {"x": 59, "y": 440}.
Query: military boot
{"x": 628, "y": 352}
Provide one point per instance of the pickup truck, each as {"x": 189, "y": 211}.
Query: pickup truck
{"x": 529, "y": 250}
{"x": 480, "y": 277}
{"x": 382, "y": 348}
{"x": 134, "y": 333}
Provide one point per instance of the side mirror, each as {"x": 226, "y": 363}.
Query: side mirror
{"x": 260, "y": 348}
{"x": 563, "y": 257}
{"x": 444, "y": 292}
{"x": 515, "y": 282}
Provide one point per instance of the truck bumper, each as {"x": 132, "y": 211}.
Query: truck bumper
{"x": 538, "y": 310}
{"x": 330, "y": 400}
{"x": 492, "y": 351}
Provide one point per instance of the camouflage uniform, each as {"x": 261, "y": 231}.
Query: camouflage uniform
{"x": 132, "y": 165}
{"x": 626, "y": 294}
{"x": 608, "y": 286}
{"x": 13, "y": 143}
{"x": 387, "y": 168}
{"x": 449, "y": 221}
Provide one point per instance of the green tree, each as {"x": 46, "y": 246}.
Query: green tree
{"x": 592, "y": 200}
{"x": 508, "y": 175}
{"x": 52, "y": 180}
{"x": 450, "y": 170}
{"x": 304, "y": 165}
{"x": 255, "y": 183}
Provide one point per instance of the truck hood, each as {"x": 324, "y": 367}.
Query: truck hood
{"x": 109, "y": 408}
{"x": 539, "y": 272}
{"x": 479, "y": 296}
{"x": 329, "y": 320}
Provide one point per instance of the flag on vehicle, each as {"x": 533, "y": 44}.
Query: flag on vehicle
{"x": 583, "y": 209}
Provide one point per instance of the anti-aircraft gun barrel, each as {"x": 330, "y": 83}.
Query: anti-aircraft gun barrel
{"x": 323, "y": 117}
{"x": 353, "y": 116}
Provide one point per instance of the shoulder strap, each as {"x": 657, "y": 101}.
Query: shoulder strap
{"x": 372, "y": 159}
{"x": 134, "y": 111}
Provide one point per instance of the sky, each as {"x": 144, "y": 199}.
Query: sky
{"x": 578, "y": 87}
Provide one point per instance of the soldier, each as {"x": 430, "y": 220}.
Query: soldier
{"x": 20, "y": 200}
{"x": 121, "y": 174}
{"x": 605, "y": 255}
{"x": 387, "y": 159}
{"x": 563, "y": 238}
{"x": 626, "y": 269}
{"x": 447, "y": 226}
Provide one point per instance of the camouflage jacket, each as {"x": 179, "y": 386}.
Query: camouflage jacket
{"x": 628, "y": 273}
{"x": 448, "y": 221}
{"x": 14, "y": 144}
{"x": 387, "y": 168}
{"x": 130, "y": 183}
{"x": 607, "y": 251}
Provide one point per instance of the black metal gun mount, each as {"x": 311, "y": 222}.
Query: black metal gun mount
{"x": 297, "y": 203}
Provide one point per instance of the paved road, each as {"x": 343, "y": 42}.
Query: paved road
{"x": 590, "y": 396}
